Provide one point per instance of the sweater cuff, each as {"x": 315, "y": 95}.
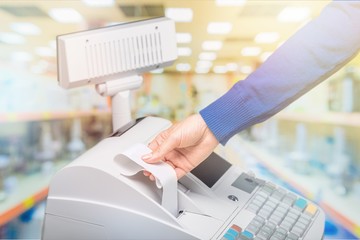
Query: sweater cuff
{"x": 229, "y": 114}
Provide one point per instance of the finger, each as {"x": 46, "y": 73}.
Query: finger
{"x": 155, "y": 143}
{"x": 165, "y": 142}
{"x": 159, "y": 139}
{"x": 159, "y": 154}
{"x": 180, "y": 173}
{"x": 152, "y": 178}
{"x": 146, "y": 173}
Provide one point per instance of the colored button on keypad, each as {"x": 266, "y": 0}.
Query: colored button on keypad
{"x": 246, "y": 235}
{"x": 300, "y": 204}
{"x": 311, "y": 209}
{"x": 232, "y": 233}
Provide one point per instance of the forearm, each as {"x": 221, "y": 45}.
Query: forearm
{"x": 305, "y": 60}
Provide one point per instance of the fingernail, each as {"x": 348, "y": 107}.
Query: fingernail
{"x": 147, "y": 156}
{"x": 152, "y": 178}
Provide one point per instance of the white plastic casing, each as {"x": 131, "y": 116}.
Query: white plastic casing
{"x": 100, "y": 55}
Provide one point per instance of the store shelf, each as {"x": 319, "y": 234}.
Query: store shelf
{"x": 346, "y": 119}
{"x": 343, "y": 209}
{"x": 23, "y": 117}
{"x": 29, "y": 191}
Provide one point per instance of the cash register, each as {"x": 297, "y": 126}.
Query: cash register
{"x": 104, "y": 195}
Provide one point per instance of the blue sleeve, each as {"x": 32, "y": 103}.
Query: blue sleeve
{"x": 310, "y": 56}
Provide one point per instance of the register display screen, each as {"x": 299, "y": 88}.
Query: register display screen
{"x": 211, "y": 170}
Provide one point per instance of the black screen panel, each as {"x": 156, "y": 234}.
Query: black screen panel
{"x": 211, "y": 169}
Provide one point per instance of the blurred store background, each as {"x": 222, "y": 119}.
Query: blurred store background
{"x": 312, "y": 147}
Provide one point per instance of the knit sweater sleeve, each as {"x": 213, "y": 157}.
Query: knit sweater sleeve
{"x": 310, "y": 56}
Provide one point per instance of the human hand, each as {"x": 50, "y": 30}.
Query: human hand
{"x": 183, "y": 146}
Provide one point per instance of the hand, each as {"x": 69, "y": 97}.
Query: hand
{"x": 183, "y": 146}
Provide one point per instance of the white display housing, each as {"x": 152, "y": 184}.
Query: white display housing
{"x": 113, "y": 58}
{"x": 114, "y": 52}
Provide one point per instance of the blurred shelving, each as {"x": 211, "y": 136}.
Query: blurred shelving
{"x": 23, "y": 117}
{"x": 318, "y": 188}
{"x": 29, "y": 190}
{"x": 345, "y": 119}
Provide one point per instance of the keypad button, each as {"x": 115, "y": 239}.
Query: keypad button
{"x": 246, "y": 235}
{"x": 292, "y": 236}
{"x": 288, "y": 201}
{"x": 311, "y": 210}
{"x": 267, "y": 229}
{"x": 271, "y": 225}
{"x": 228, "y": 236}
{"x": 236, "y": 228}
{"x": 286, "y": 225}
{"x": 276, "y": 238}
{"x": 298, "y": 231}
{"x": 259, "y": 218}
{"x": 300, "y": 204}
{"x": 304, "y": 221}
{"x": 275, "y": 219}
{"x": 264, "y": 235}
{"x": 264, "y": 213}
{"x": 278, "y": 194}
{"x": 300, "y": 225}
{"x": 263, "y": 194}
{"x": 260, "y": 198}
{"x": 253, "y": 208}
{"x": 279, "y": 235}
{"x": 267, "y": 208}
{"x": 253, "y": 228}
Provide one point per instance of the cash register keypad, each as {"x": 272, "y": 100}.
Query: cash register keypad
{"x": 280, "y": 215}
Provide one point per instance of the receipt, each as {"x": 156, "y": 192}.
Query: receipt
{"x": 165, "y": 176}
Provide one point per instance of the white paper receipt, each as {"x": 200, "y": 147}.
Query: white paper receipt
{"x": 164, "y": 174}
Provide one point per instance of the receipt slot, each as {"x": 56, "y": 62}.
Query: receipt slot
{"x": 104, "y": 195}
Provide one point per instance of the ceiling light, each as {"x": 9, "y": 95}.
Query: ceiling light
{"x": 293, "y": 14}
{"x": 65, "y": 15}
{"x": 250, "y": 51}
{"x": 99, "y": 3}
{"x": 230, "y": 2}
{"x": 12, "y": 38}
{"x": 232, "y": 67}
{"x": 267, "y": 37}
{"x": 184, "y": 51}
{"x": 200, "y": 70}
{"x": 183, "y": 37}
{"x": 179, "y": 14}
{"x": 45, "y": 51}
{"x": 157, "y": 71}
{"x": 220, "y": 69}
{"x": 25, "y": 28}
{"x": 246, "y": 69}
{"x": 212, "y": 45}
{"x": 21, "y": 57}
{"x": 219, "y": 28}
{"x": 265, "y": 55}
{"x": 204, "y": 64}
{"x": 211, "y": 56}
{"x": 183, "y": 67}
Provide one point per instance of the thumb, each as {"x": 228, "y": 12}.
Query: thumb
{"x": 161, "y": 145}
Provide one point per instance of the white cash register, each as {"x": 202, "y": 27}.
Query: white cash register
{"x": 104, "y": 195}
